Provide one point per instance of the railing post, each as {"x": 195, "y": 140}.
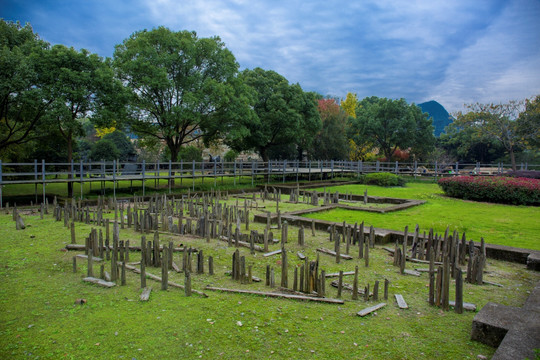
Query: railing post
{"x": 252, "y": 171}
{"x": 284, "y": 168}
{"x": 234, "y": 173}
{"x": 457, "y": 168}
{"x": 81, "y": 177}
{"x": 43, "y": 177}
{"x": 143, "y": 177}
{"x": 35, "y": 179}
{"x": 332, "y": 168}
{"x": 193, "y": 175}
{"x": 215, "y": 164}
{"x": 114, "y": 180}
{"x": 397, "y": 165}
{"x": 377, "y": 166}
{"x": 436, "y": 169}
{"x": 297, "y": 170}
{"x": 170, "y": 175}
{"x": 269, "y": 171}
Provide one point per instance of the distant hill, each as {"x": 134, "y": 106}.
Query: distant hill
{"x": 441, "y": 117}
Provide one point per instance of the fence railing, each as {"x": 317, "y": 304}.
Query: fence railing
{"x": 42, "y": 172}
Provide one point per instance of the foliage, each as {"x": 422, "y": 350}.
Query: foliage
{"x": 126, "y": 149}
{"x": 101, "y": 132}
{"x": 528, "y": 123}
{"x": 181, "y": 87}
{"x": 331, "y": 141}
{"x": 468, "y": 146}
{"x": 285, "y": 114}
{"x": 190, "y": 154}
{"x": 230, "y": 156}
{"x": 104, "y": 149}
{"x": 494, "y": 121}
{"x": 24, "y": 88}
{"x": 529, "y": 174}
{"x": 349, "y": 104}
{"x": 383, "y": 179}
{"x": 500, "y": 189}
{"x": 392, "y": 124}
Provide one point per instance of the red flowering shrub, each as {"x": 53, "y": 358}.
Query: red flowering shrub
{"x": 499, "y": 189}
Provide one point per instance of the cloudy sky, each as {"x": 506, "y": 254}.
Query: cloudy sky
{"x": 455, "y": 52}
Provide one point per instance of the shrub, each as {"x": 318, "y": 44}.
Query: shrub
{"x": 230, "y": 156}
{"x": 383, "y": 179}
{"x": 530, "y": 174}
{"x": 499, "y": 189}
{"x": 190, "y": 153}
{"x": 104, "y": 150}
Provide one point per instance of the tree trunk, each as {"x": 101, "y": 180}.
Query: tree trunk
{"x": 174, "y": 158}
{"x": 512, "y": 158}
{"x": 264, "y": 156}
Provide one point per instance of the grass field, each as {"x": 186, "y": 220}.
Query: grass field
{"x": 38, "y": 317}
{"x": 509, "y": 225}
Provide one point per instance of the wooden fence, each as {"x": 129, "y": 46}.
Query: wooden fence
{"x": 43, "y": 173}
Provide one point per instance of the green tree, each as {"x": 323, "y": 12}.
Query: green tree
{"x": 76, "y": 79}
{"x": 468, "y": 146}
{"x": 126, "y": 149}
{"x": 392, "y": 124}
{"x": 285, "y": 114}
{"x": 494, "y": 121}
{"x": 24, "y": 95}
{"x": 104, "y": 150}
{"x": 181, "y": 87}
{"x": 331, "y": 142}
{"x": 528, "y": 123}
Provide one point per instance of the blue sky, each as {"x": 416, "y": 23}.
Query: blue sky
{"x": 455, "y": 52}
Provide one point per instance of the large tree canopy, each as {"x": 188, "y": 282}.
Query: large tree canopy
{"x": 181, "y": 87}
{"x": 392, "y": 124}
{"x": 285, "y": 114}
{"x": 24, "y": 93}
{"x": 494, "y": 121}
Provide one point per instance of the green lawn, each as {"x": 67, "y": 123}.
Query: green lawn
{"x": 509, "y": 225}
{"x": 38, "y": 317}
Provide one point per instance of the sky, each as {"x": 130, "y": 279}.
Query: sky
{"x": 455, "y": 52}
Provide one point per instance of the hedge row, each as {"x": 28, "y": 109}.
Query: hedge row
{"x": 499, "y": 189}
{"x": 382, "y": 179}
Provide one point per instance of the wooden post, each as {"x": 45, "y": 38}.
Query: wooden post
{"x": 355, "y": 284}
{"x": 386, "y": 283}
{"x": 73, "y": 241}
{"x": 366, "y": 255}
{"x": 284, "y": 275}
{"x": 143, "y": 274}
{"x": 431, "y": 278}
{"x": 459, "y": 291}
{"x": 376, "y": 290}
{"x": 123, "y": 274}
{"x": 211, "y": 265}
{"x": 165, "y": 269}
{"x": 340, "y": 284}
{"x": 90, "y": 270}
{"x": 74, "y": 264}
{"x": 187, "y": 283}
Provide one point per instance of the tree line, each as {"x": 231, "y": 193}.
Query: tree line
{"x": 172, "y": 89}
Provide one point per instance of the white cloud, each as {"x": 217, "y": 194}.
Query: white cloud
{"x": 502, "y": 65}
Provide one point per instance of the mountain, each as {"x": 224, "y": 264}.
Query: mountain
{"x": 440, "y": 117}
